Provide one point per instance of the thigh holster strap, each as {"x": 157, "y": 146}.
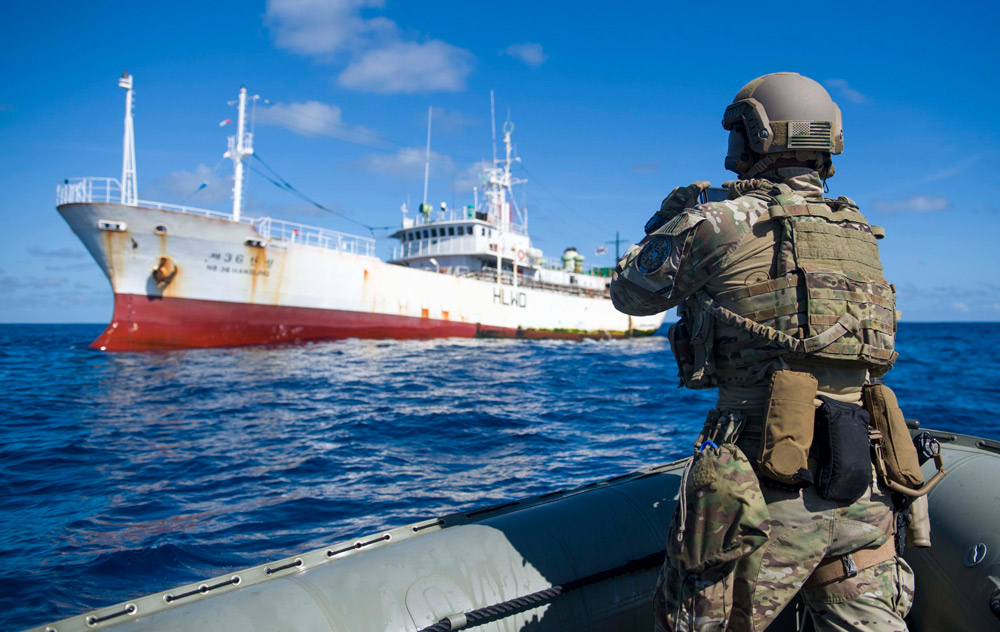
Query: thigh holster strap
{"x": 834, "y": 569}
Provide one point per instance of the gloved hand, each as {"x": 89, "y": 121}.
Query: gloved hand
{"x": 678, "y": 200}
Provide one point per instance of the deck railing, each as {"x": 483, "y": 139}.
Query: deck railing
{"x": 507, "y": 278}
{"x": 291, "y": 232}
{"x": 109, "y": 191}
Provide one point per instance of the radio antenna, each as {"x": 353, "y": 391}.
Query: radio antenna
{"x": 493, "y": 123}
{"x": 427, "y": 157}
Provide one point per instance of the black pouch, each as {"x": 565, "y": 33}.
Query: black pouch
{"x": 842, "y": 449}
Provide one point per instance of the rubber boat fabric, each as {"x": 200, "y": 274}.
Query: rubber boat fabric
{"x": 598, "y": 546}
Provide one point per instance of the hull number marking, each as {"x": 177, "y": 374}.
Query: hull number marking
{"x": 232, "y": 264}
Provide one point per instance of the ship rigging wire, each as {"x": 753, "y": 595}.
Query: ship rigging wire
{"x": 387, "y": 145}
{"x": 285, "y": 185}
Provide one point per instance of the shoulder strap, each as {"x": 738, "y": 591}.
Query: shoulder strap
{"x": 790, "y": 204}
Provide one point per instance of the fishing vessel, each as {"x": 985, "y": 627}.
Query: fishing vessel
{"x": 189, "y": 277}
{"x": 582, "y": 559}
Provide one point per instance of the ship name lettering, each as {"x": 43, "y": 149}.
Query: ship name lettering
{"x": 508, "y": 297}
{"x": 211, "y": 267}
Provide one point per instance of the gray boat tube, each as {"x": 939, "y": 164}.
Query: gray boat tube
{"x": 598, "y": 545}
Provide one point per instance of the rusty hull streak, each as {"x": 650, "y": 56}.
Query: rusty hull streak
{"x": 257, "y": 255}
{"x": 114, "y": 248}
{"x": 366, "y": 294}
{"x": 280, "y": 256}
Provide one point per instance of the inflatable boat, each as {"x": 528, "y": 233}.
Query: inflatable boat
{"x": 585, "y": 559}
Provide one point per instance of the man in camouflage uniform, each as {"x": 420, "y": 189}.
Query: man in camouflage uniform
{"x": 776, "y": 278}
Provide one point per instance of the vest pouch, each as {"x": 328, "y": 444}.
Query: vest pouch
{"x": 691, "y": 342}
{"x": 902, "y": 465}
{"x": 788, "y": 428}
{"x": 721, "y": 515}
{"x": 845, "y": 465}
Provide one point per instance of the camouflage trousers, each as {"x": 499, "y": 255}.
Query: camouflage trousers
{"x": 748, "y": 594}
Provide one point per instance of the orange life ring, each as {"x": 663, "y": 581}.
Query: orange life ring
{"x": 520, "y": 255}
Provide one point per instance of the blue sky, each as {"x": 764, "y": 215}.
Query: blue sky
{"x": 614, "y": 105}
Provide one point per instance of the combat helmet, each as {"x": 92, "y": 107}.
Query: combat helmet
{"x": 782, "y": 115}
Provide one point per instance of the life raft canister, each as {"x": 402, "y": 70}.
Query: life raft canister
{"x": 164, "y": 272}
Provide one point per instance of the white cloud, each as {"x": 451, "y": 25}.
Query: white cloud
{"x": 382, "y": 60}
{"x": 313, "y": 118}
{"x": 845, "y": 90}
{"x": 57, "y": 253}
{"x": 469, "y": 177}
{"x": 186, "y": 186}
{"x": 407, "y": 163}
{"x": 528, "y": 52}
{"x": 409, "y": 67}
{"x": 915, "y": 204}
{"x": 941, "y": 174}
{"x": 325, "y": 27}
{"x": 450, "y": 121}
{"x": 960, "y": 306}
{"x": 8, "y": 284}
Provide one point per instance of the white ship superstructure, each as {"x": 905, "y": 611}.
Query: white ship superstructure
{"x": 187, "y": 277}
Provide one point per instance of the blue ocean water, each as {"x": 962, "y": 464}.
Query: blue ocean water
{"x": 125, "y": 474}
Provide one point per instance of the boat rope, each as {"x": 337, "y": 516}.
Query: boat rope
{"x": 285, "y": 185}
{"x": 526, "y": 602}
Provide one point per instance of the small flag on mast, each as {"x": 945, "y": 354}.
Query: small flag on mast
{"x": 601, "y": 250}
{"x": 225, "y": 122}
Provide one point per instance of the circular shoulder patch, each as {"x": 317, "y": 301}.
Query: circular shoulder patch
{"x": 654, "y": 254}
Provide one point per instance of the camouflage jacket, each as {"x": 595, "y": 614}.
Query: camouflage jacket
{"x": 746, "y": 307}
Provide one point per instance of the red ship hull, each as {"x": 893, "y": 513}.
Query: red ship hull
{"x": 142, "y": 323}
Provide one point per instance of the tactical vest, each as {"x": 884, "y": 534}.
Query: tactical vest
{"x": 828, "y": 302}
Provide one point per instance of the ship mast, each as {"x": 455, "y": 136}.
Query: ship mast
{"x": 129, "y": 189}
{"x": 498, "y": 193}
{"x": 240, "y": 146}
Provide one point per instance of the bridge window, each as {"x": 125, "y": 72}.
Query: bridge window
{"x": 434, "y": 232}
{"x": 461, "y": 230}
{"x": 482, "y": 231}
{"x": 425, "y": 234}
{"x": 451, "y": 231}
